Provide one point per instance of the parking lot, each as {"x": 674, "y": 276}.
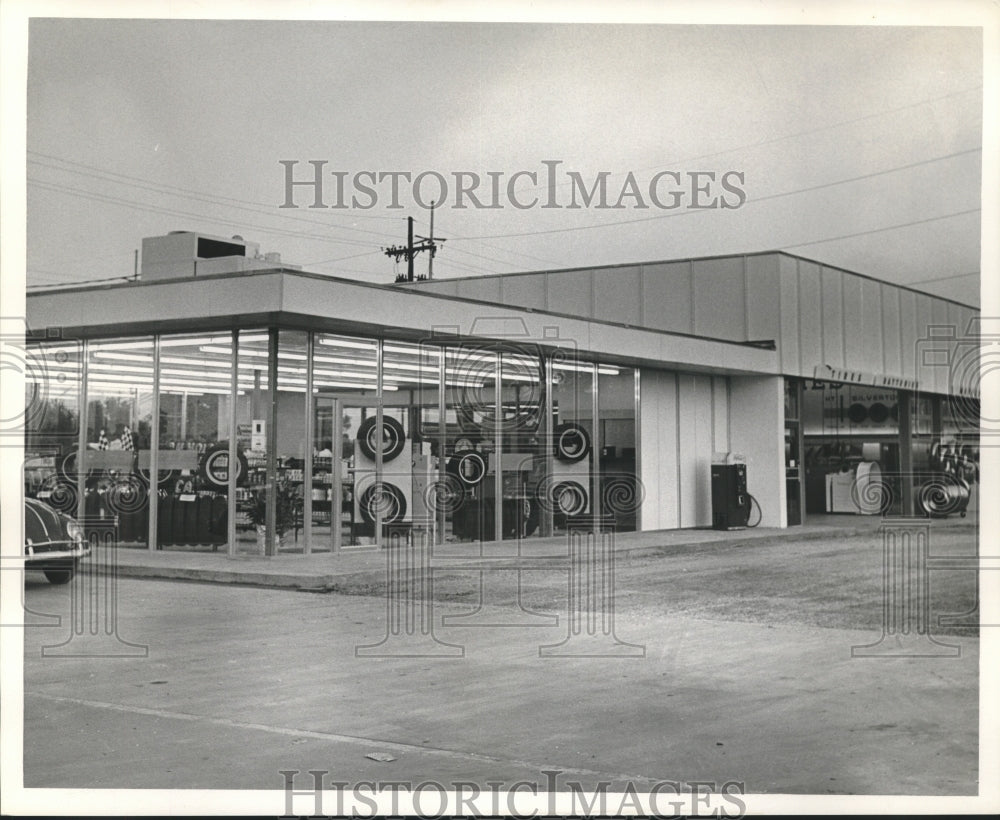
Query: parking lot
{"x": 746, "y": 675}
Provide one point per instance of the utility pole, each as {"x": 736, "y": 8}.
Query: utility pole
{"x": 409, "y": 251}
{"x": 430, "y": 259}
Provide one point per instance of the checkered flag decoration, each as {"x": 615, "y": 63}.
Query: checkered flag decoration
{"x": 102, "y": 442}
{"x": 127, "y": 443}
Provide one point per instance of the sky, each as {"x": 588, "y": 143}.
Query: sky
{"x": 860, "y": 147}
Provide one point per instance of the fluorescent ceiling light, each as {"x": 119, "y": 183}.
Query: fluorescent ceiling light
{"x": 338, "y": 342}
{"x": 133, "y": 345}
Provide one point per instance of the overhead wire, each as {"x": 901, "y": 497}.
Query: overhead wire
{"x": 750, "y": 200}
{"x": 186, "y": 191}
{"x": 110, "y": 198}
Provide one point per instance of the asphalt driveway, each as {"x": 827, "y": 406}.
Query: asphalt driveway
{"x": 746, "y": 675}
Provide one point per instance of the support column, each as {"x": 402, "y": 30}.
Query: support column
{"x": 906, "y": 452}
{"x": 270, "y": 535}
{"x": 152, "y": 535}
{"x": 234, "y": 391}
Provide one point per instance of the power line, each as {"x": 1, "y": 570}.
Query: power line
{"x": 881, "y": 230}
{"x": 209, "y": 201}
{"x": 794, "y": 135}
{"x": 208, "y": 198}
{"x": 340, "y": 258}
{"x": 944, "y": 278}
{"x": 165, "y": 186}
{"x": 108, "y": 198}
{"x": 749, "y": 200}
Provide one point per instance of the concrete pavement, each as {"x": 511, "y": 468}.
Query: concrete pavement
{"x": 363, "y": 566}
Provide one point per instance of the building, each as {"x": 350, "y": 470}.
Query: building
{"x": 494, "y": 406}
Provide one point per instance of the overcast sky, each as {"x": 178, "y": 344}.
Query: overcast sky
{"x": 859, "y": 147}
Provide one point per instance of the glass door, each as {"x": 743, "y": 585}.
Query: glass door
{"x": 348, "y": 501}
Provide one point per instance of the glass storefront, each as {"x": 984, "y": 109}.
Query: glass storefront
{"x": 874, "y": 450}
{"x": 945, "y": 455}
{"x": 472, "y": 441}
{"x": 851, "y": 435}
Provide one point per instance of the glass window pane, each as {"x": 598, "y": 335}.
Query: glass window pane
{"x": 620, "y": 495}
{"x": 119, "y": 427}
{"x": 193, "y": 453}
{"x": 51, "y": 420}
{"x": 345, "y": 500}
{"x": 290, "y": 420}
{"x": 252, "y": 400}
{"x": 570, "y": 484}
{"x": 470, "y": 404}
{"x": 410, "y": 399}
{"x": 522, "y": 459}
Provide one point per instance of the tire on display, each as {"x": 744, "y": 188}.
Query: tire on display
{"x": 572, "y": 442}
{"x": 570, "y": 498}
{"x": 392, "y": 499}
{"x": 393, "y": 438}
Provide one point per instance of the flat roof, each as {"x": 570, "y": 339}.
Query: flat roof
{"x": 300, "y": 299}
{"x": 616, "y": 265}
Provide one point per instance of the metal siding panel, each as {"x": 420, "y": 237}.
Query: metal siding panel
{"x": 719, "y": 298}
{"x": 667, "y": 293}
{"x": 486, "y": 288}
{"x": 924, "y": 319}
{"x": 853, "y": 323}
{"x": 939, "y": 316}
{"x": 445, "y": 287}
{"x": 617, "y": 295}
{"x": 810, "y": 317}
{"x": 763, "y": 310}
{"x": 968, "y": 316}
{"x": 788, "y": 300}
{"x": 871, "y": 313}
{"x": 650, "y": 428}
{"x": 958, "y": 317}
{"x": 908, "y": 331}
{"x": 569, "y": 292}
{"x": 525, "y": 291}
{"x": 670, "y": 491}
{"x": 890, "y": 331}
{"x": 687, "y": 456}
{"x": 702, "y": 395}
{"x": 833, "y": 317}
{"x": 660, "y": 412}
{"x": 720, "y": 414}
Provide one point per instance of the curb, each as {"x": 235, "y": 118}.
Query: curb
{"x": 371, "y": 581}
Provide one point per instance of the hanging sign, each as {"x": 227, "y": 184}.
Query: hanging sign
{"x": 258, "y": 435}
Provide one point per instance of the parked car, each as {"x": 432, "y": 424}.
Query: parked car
{"x": 53, "y": 542}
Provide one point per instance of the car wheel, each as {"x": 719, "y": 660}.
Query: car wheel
{"x": 61, "y": 575}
